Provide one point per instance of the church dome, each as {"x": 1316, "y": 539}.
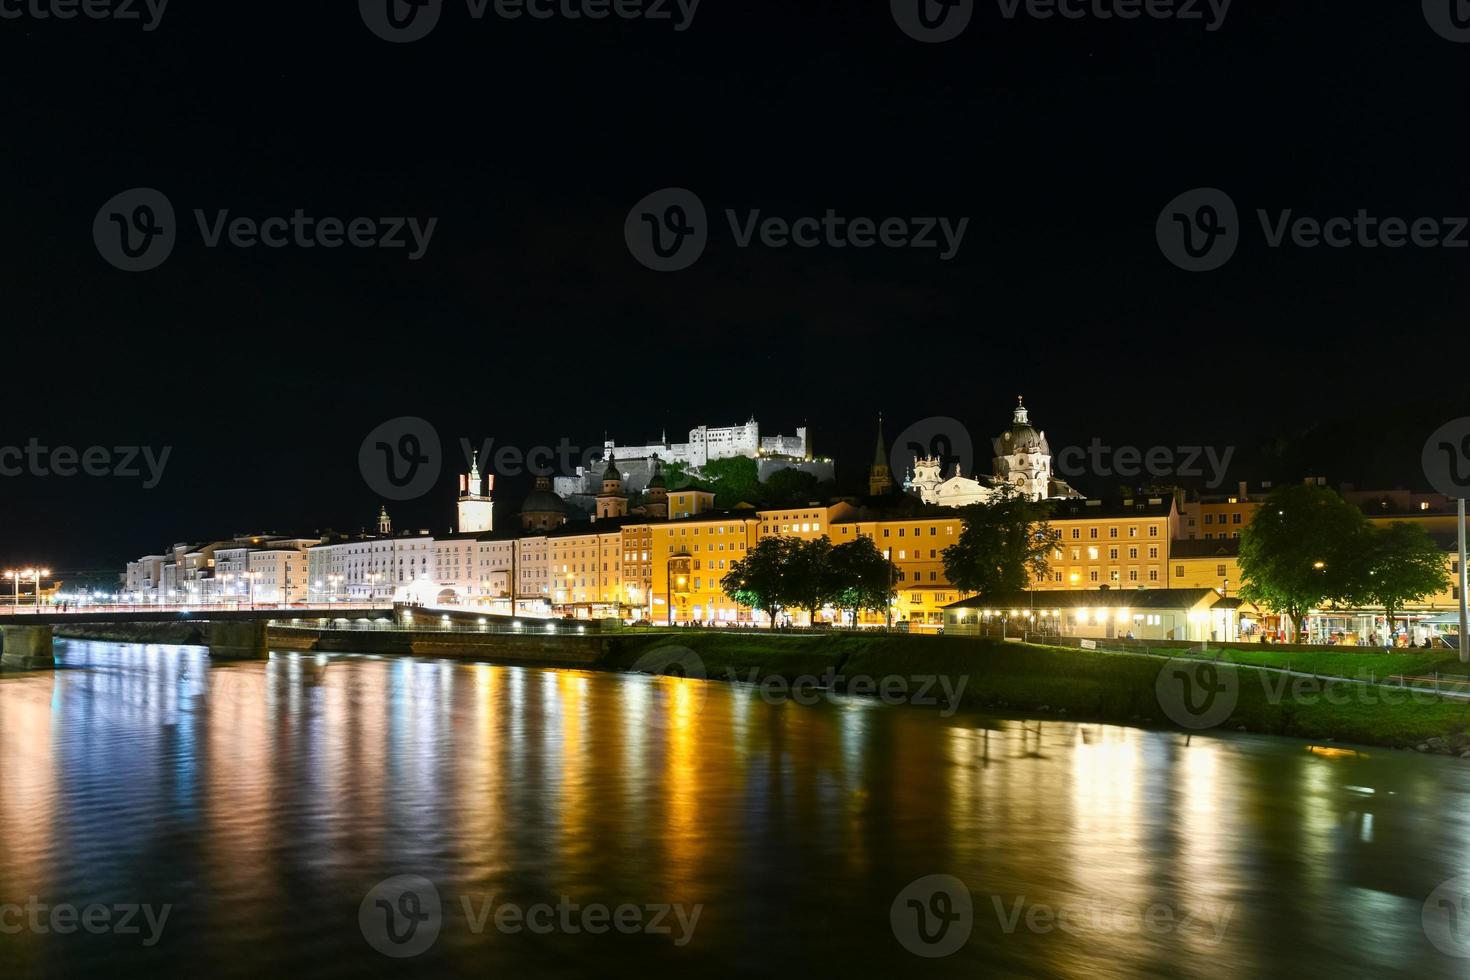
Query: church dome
{"x": 611, "y": 473}
{"x": 542, "y": 500}
{"x": 1021, "y": 437}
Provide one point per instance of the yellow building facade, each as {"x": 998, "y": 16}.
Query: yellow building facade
{"x": 689, "y": 557}
{"x": 1119, "y": 544}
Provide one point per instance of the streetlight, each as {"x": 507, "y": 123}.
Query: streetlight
{"x": 15, "y": 577}
{"x": 39, "y": 572}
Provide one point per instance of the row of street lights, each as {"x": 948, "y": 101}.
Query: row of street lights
{"x": 19, "y": 575}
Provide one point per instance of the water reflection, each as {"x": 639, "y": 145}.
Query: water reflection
{"x": 262, "y": 801}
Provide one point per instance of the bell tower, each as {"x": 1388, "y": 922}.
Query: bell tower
{"x": 612, "y": 502}
{"x": 475, "y": 508}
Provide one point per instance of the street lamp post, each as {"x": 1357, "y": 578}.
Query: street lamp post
{"x": 1464, "y": 612}
{"x": 15, "y": 577}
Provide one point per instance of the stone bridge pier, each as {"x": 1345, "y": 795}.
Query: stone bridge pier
{"x": 27, "y": 647}
{"x": 238, "y": 640}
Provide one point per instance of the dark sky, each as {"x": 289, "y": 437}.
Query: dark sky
{"x": 528, "y": 320}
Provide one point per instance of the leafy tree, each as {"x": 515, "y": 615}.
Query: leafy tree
{"x": 1301, "y": 550}
{"x": 790, "y": 487}
{"x": 861, "y": 577}
{"x": 735, "y": 480}
{"x": 677, "y": 476}
{"x": 1005, "y": 545}
{"x": 760, "y": 579}
{"x": 1395, "y": 565}
{"x": 809, "y": 579}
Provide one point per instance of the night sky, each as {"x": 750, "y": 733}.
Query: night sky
{"x": 528, "y": 319}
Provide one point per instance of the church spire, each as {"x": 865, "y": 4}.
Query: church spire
{"x": 880, "y": 479}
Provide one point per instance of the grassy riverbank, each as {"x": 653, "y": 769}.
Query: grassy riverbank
{"x": 1082, "y": 684}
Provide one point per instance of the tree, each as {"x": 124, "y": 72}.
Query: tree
{"x": 861, "y": 577}
{"x": 1298, "y": 552}
{"x": 735, "y": 480}
{"x": 1396, "y": 565}
{"x": 760, "y": 579}
{"x": 809, "y": 579}
{"x": 1006, "y": 544}
{"x": 790, "y": 487}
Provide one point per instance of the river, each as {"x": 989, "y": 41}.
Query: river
{"x": 351, "y": 816}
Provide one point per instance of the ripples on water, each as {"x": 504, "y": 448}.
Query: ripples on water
{"x": 263, "y": 801}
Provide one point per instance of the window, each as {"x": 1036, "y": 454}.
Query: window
{"x": 1113, "y": 554}
{"x": 1178, "y": 571}
{"x": 1153, "y": 574}
{"x": 1234, "y": 518}
{"x": 1220, "y": 571}
{"x": 1209, "y": 518}
{"x": 1153, "y": 551}
{"x": 1092, "y": 533}
{"x": 1112, "y": 532}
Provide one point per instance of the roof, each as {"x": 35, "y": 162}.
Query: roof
{"x": 1128, "y": 507}
{"x": 1205, "y": 548}
{"x": 1093, "y": 598}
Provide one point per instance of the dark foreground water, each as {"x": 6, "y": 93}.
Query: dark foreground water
{"x": 325, "y": 816}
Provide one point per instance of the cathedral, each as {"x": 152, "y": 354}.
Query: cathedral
{"x": 1022, "y": 461}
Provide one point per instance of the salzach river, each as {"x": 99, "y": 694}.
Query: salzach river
{"x": 352, "y": 816}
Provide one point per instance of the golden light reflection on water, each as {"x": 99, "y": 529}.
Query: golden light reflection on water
{"x": 266, "y": 798}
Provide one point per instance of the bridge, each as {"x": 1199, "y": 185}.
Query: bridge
{"x": 232, "y": 632}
